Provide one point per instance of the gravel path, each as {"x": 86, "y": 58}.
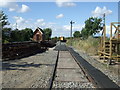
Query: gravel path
{"x": 31, "y": 72}
{"x": 113, "y": 71}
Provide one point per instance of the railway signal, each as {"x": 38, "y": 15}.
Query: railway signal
{"x": 71, "y": 22}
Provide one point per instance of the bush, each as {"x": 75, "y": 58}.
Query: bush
{"x": 89, "y": 45}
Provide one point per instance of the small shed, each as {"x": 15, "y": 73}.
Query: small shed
{"x": 38, "y": 35}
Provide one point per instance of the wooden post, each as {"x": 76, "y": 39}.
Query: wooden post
{"x": 110, "y": 31}
{"x": 119, "y": 39}
{"x": 118, "y": 42}
{"x": 104, "y": 40}
{"x": 104, "y": 37}
{"x": 110, "y": 40}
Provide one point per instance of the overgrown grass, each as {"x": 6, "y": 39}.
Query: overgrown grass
{"x": 89, "y": 45}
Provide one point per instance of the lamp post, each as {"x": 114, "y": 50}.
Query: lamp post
{"x": 71, "y": 22}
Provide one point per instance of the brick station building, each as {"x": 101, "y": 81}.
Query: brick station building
{"x": 38, "y": 35}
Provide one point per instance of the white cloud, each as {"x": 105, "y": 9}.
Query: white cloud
{"x": 51, "y": 23}
{"x": 40, "y": 20}
{"x": 21, "y": 23}
{"x": 64, "y": 30}
{"x": 77, "y": 27}
{"x": 12, "y": 9}
{"x": 5, "y": 3}
{"x": 29, "y": 23}
{"x": 57, "y": 30}
{"x": 19, "y": 20}
{"x": 66, "y": 27}
{"x": 13, "y": 6}
{"x": 24, "y": 8}
{"x": 59, "y": 16}
{"x": 100, "y": 11}
{"x": 65, "y": 3}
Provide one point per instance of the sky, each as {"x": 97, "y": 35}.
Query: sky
{"x": 57, "y": 15}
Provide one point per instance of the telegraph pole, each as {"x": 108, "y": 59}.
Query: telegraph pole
{"x": 71, "y": 22}
{"x": 104, "y": 19}
{"x": 104, "y": 33}
{"x": 16, "y": 25}
{"x": 104, "y": 27}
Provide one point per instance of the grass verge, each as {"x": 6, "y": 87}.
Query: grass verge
{"x": 89, "y": 45}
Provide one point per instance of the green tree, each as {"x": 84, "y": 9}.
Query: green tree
{"x": 6, "y": 32}
{"x": 77, "y": 34}
{"x": 84, "y": 33}
{"x": 21, "y": 35}
{"x": 3, "y": 19}
{"x": 27, "y": 34}
{"x": 93, "y": 25}
{"x": 15, "y": 36}
{"x": 48, "y": 33}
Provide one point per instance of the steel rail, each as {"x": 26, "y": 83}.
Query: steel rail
{"x": 54, "y": 72}
{"x": 90, "y": 79}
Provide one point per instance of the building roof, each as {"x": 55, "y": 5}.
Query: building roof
{"x": 38, "y": 29}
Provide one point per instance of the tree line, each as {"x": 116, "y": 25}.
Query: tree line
{"x": 92, "y": 26}
{"x": 9, "y": 35}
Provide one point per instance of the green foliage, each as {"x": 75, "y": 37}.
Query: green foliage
{"x": 84, "y": 33}
{"x": 55, "y": 38}
{"x": 5, "y": 31}
{"x": 77, "y": 34}
{"x": 89, "y": 45}
{"x": 3, "y": 19}
{"x": 27, "y": 34}
{"x": 6, "y": 35}
{"x": 48, "y": 33}
{"x": 15, "y": 36}
{"x": 9, "y": 35}
{"x": 67, "y": 37}
{"x": 21, "y": 35}
{"x": 92, "y": 26}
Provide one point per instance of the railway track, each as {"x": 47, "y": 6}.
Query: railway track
{"x": 70, "y": 71}
{"x": 67, "y": 72}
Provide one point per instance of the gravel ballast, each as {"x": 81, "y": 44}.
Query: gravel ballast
{"x": 112, "y": 71}
{"x": 30, "y": 72}
{"x": 72, "y": 85}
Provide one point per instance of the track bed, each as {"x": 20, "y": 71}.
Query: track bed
{"x": 69, "y": 74}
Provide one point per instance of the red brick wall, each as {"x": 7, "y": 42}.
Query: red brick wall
{"x": 37, "y": 36}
